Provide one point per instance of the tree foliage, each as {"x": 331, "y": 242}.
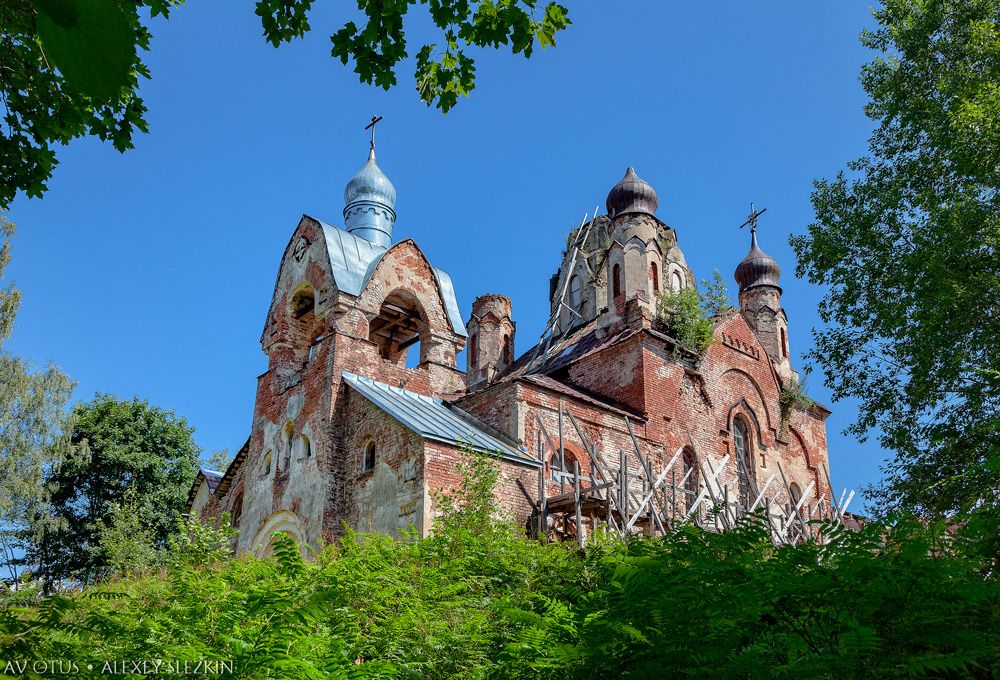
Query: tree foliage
{"x": 68, "y": 69}
{"x": 444, "y": 70}
{"x": 476, "y": 599}
{"x": 219, "y": 460}
{"x": 120, "y": 451}
{"x": 72, "y": 68}
{"x": 690, "y": 316}
{"x": 32, "y": 418}
{"x": 908, "y": 242}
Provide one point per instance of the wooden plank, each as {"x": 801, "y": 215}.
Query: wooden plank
{"x": 584, "y": 490}
{"x": 579, "y": 518}
{"x": 648, "y": 498}
{"x": 708, "y": 482}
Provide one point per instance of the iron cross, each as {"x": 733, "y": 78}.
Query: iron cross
{"x": 752, "y": 220}
{"x": 371, "y": 126}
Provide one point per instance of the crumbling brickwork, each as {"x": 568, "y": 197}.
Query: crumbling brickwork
{"x": 363, "y": 414}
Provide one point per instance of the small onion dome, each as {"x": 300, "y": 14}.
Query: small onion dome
{"x": 370, "y": 184}
{"x": 632, "y": 195}
{"x": 757, "y": 268}
{"x": 370, "y": 204}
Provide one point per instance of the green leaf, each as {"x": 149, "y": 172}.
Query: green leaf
{"x": 96, "y": 52}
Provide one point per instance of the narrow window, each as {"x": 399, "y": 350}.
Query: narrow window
{"x": 744, "y": 462}
{"x": 306, "y": 448}
{"x": 237, "y": 511}
{"x": 677, "y": 282}
{"x": 302, "y": 326}
{"x": 795, "y": 493}
{"x": 474, "y": 350}
{"x": 654, "y": 278}
{"x": 286, "y": 455}
{"x": 574, "y": 293}
{"x": 508, "y": 350}
{"x": 368, "y": 460}
{"x": 267, "y": 464}
{"x": 690, "y": 479}
{"x": 616, "y": 280}
{"x": 784, "y": 343}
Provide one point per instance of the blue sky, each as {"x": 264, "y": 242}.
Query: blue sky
{"x": 150, "y": 273}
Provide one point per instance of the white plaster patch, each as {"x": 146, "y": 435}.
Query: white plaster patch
{"x": 294, "y": 406}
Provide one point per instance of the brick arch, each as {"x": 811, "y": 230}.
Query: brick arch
{"x": 811, "y": 465}
{"x": 756, "y": 389}
{"x": 726, "y": 327}
{"x": 283, "y": 521}
{"x": 305, "y": 260}
{"x": 742, "y": 407}
{"x": 405, "y": 267}
{"x": 573, "y": 452}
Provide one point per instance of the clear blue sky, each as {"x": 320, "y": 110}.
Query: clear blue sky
{"x": 150, "y": 273}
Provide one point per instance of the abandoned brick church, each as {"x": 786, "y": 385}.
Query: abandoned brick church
{"x": 607, "y": 420}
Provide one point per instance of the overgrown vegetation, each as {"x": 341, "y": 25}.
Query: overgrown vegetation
{"x": 32, "y": 420}
{"x": 793, "y": 395}
{"x": 908, "y": 243}
{"x": 125, "y": 472}
{"x": 689, "y": 316}
{"x": 475, "y": 599}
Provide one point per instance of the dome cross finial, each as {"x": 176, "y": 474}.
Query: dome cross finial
{"x": 371, "y": 126}
{"x": 752, "y": 222}
{"x": 757, "y": 268}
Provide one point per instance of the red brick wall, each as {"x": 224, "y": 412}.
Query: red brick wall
{"x": 517, "y": 483}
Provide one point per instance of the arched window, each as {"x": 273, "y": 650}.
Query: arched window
{"x": 795, "y": 493}
{"x": 368, "y": 457}
{"x": 266, "y": 466}
{"x": 744, "y": 462}
{"x": 616, "y": 280}
{"x": 396, "y": 330}
{"x": 474, "y": 351}
{"x": 286, "y": 454}
{"x": 574, "y": 293}
{"x": 654, "y": 278}
{"x": 690, "y": 479}
{"x": 556, "y": 469}
{"x": 306, "y": 451}
{"x": 302, "y": 325}
{"x": 237, "y": 511}
{"x": 784, "y": 343}
{"x": 676, "y": 282}
{"x": 508, "y": 350}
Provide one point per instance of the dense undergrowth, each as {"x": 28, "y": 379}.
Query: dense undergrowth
{"x": 477, "y": 600}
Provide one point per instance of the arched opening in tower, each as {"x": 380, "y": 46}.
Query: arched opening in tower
{"x": 398, "y": 328}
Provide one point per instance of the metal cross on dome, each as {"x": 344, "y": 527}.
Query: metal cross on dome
{"x": 371, "y": 126}
{"x": 752, "y": 219}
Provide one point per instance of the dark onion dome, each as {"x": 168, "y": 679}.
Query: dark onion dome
{"x": 757, "y": 268}
{"x": 632, "y": 195}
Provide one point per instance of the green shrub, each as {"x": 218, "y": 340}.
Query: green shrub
{"x": 476, "y": 599}
{"x": 683, "y": 319}
{"x": 689, "y": 316}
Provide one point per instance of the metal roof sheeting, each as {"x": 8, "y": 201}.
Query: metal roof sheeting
{"x": 350, "y": 258}
{"x": 450, "y": 302}
{"x": 353, "y": 261}
{"x": 435, "y": 419}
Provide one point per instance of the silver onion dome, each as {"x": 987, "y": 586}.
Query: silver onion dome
{"x": 370, "y": 204}
{"x": 632, "y": 194}
{"x": 757, "y": 268}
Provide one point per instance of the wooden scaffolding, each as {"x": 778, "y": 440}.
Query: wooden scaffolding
{"x": 626, "y": 495}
